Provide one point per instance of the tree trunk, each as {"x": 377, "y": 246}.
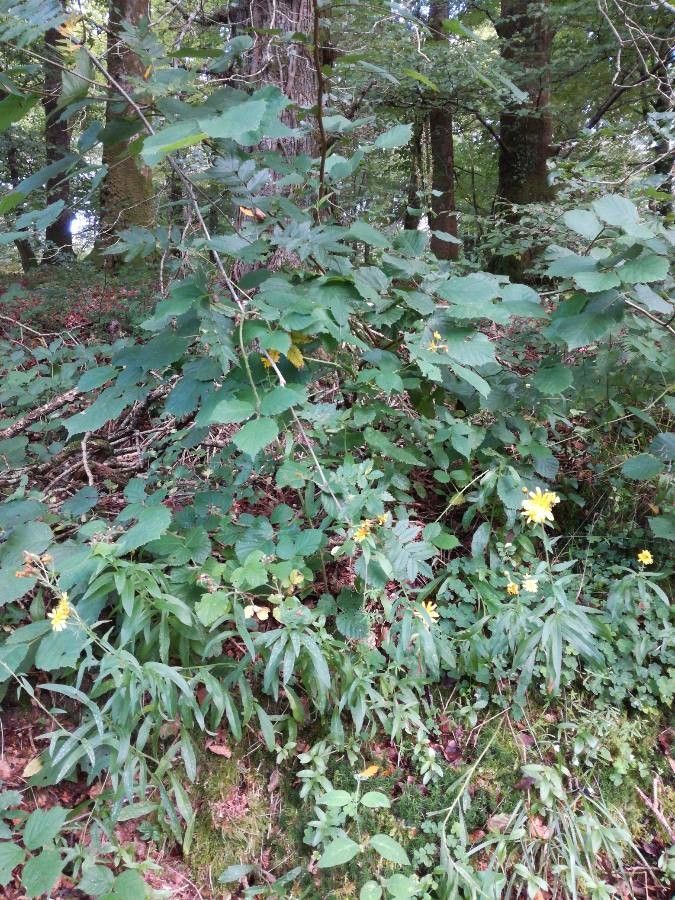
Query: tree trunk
{"x": 126, "y": 193}
{"x": 288, "y": 65}
{"x": 24, "y": 248}
{"x": 526, "y": 131}
{"x": 57, "y": 144}
{"x": 412, "y": 215}
{"x": 443, "y": 216}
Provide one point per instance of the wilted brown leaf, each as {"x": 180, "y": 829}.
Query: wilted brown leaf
{"x": 539, "y": 829}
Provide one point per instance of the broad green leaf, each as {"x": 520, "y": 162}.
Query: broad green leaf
{"x": 398, "y": 136}
{"x": 339, "y": 852}
{"x": 15, "y": 107}
{"x": 375, "y": 800}
{"x": 152, "y": 523}
{"x": 362, "y": 231}
{"x": 240, "y": 123}
{"x": 595, "y": 282}
{"x": 646, "y": 268}
{"x": 371, "y": 890}
{"x": 223, "y": 409}
{"x": 663, "y": 526}
{"x": 96, "y": 880}
{"x": 256, "y": 435}
{"x": 42, "y": 826}
{"x": 663, "y": 446}
{"x": 212, "y": 606}
{"x": 41, "y": 872}
{"x": 11, "y": 856}
{"x": 280, "y": 399}
{"x": 583, "y": 222}
{"x": 335, "y": 799}
{"x": 390, "y": 849}
{"x": 642, "y": 467}
{"x": 173, "y": 137}
{"x": 553, "y": 379}
{"x": 616, "y": 210}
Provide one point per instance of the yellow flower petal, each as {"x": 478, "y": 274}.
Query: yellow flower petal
{"x": 645, "y": 558}
{"x": 295, "y": 357}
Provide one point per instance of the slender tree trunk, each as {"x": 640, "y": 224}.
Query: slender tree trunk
{"x": 443, "y": 215}
{"x": 57, "y": 143}
{"x": 526, "y": 34}
{"x": 24, "y": 248}
{"x": 412, "y": 215}
{"x": 126, "y": 194}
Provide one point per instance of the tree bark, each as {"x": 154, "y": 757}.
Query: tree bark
{"x": 411, "y": 220}
{"x": 24, "y": 248}
{"x": 57, "y": 145}
{"x": 443, "y": 215}
{"x": 288, "y": 65}
{"x": 526, "y": 130}
{"x": 126, "y": 193}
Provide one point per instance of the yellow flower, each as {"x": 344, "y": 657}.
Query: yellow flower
{"x": 61, "y": 614}
{"x": 538, "y": 506}
{"x": 436, "y": 343}
{"x": 512, "y": 589}
{"x": 382, "y": 520}
{"x": 431, "y": 610}
{"x": 369, "y": 772}
{"x": 363, "y": 531}
{"x": 531, "y": 585}
{"x": 296, "y": 577}
{"x": 295, "y": 357}
{"x": 273, "y": 355}
{"x": 645, "y": 558}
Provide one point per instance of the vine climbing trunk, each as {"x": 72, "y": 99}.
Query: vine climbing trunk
{"x": 57, "y": 146}
{"x": 126, "y": 193}
{"x": 442, "y": 215}
{"x": 525, "y": 130}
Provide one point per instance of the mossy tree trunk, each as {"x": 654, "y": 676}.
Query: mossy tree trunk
{"x": 525, "y": 130}
{"x": 126, "y": 193}
{"x": 57, "y": 145}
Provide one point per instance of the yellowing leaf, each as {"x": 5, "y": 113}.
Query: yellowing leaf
{"x": 295, "y": 357}
{"x": 32, "y": 767}
{"x": 369, "y": 772}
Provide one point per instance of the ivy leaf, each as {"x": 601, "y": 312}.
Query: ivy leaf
{"x": 256, "y": 435}
{"x": 339, "y": 852}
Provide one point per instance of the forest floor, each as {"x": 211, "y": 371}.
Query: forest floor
{"x": 248, "y": 808}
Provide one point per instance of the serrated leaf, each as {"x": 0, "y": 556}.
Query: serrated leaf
{"x": 11, "y": 856}
{"x": 42, "y": 826}
{"x": 256, "y": 435}
{"x": 41, "y": 872}
{"x": 642, "y": 467}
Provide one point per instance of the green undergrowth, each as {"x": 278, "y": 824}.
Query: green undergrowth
{"x": 250, "y": 813}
